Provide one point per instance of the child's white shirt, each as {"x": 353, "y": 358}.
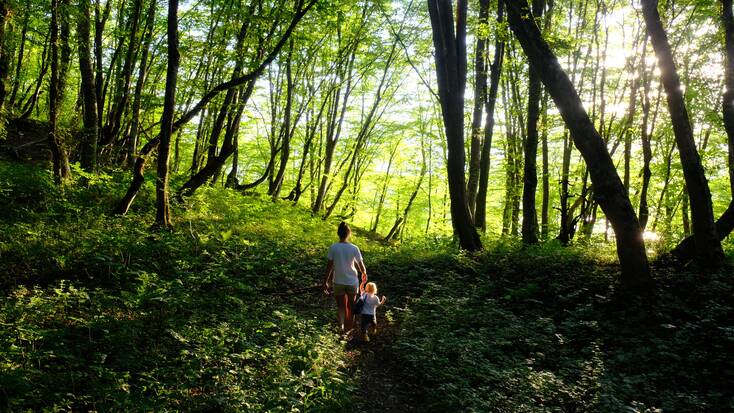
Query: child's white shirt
{"x": 371, "y": 302}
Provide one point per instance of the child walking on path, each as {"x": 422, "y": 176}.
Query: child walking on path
{"x": 369, "y": 309}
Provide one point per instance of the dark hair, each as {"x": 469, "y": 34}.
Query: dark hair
{"x": 343, "y": 231}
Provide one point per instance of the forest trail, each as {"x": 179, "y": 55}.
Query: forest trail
{"x": 378, "y": 372}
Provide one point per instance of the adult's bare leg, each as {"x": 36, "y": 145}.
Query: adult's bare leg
{"x": 348, "y": 312}
{"x": 341, "y": 305}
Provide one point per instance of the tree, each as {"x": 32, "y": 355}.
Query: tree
{"x": 89, "y": 97}
{"x": 708, "y": 246}
{"x": 4, "y": 55}
{"x": 608, "y": 188}
{"x": 163, "y": 214}
{"x": 480, "y": 91}
{"x": 530, "y": 176}
{"x": 480, "y": 216}
{"x": 450, "y": 55}
{"x": 60, "y": 57}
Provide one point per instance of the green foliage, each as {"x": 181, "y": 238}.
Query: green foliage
{"x": 537, "y": 330}
{"x": 101, "y": 313}
{"x": 104, "y": 313}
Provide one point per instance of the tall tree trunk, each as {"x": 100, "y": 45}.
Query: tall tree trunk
{"x": 564, "y": 235}
{"x": 480, "y": 91}
{"x": 4, "y": 52}
{"x": 684, "y": 213}
{"x": 727, "y": 18}
{"x": 545, "y": 203}
{"x": 30, "y": 104}
{"x": 21, "y": 53}
{"x": 122, "y": 94}
{"x": 163, "y": 214}
{"x": 89, "y": 98}
{"x": 646, "y": 143}
{"x": 383, "y": 192}
{"x": 100, "y": 20}
{"x": 450, "y": 55}
{"x": 708, "y": 246}
{"x": 530, "y": 176}
{"x": 608, "y": 188}
{"x": 397, "y": 228}
{"x": 140, "y": 81}
{"x": 214, "y": 165}
{"x": 480, "y": 216}
{"x": 285, "y": 148}
{"x": 59, "y": 64}
{"x": 725, "y": 224}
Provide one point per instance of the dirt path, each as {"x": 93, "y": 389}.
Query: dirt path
{"x": 379, "y": 371}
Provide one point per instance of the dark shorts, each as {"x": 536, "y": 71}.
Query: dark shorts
{"x": 368, "y": 320}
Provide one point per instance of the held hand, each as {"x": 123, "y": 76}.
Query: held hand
{"x": 364, "y": 277}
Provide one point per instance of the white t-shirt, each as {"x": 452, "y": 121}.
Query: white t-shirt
{"x": 371, "y": 302}
{"x": 345, "y": 256}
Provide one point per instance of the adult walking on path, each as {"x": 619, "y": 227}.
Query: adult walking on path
{"x": 345, "y": 262}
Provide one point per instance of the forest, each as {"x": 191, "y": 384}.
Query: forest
{"x": 543, "y": 189}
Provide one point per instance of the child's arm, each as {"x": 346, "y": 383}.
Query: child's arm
{"x": 361, "y": 285}
{"x": 384, "y": 299}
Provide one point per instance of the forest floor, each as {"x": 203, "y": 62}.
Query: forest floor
{"x": 224, "y": 313}
{"x": 382, "y": 387}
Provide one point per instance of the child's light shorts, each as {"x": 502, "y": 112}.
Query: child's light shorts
{"x": 341, "y": 289}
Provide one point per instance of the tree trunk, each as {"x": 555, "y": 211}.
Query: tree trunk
{"x": 21, "y": 52}
{"x": 480, "y": 216}
{"x": 686, "y": 250}
{"x": 450, "y": 55}
{"x": 100, "y": 20}
{"x": 480, "y": 91}
{"x": 646, "y": 143}
{"x": 163, "y": 214}
{"x": 708, "y": 246}
{"x": 397, "y": 228}
{"x": 383, "y": 192}
{"x": 140, "y": 81}
{"x": 285, "y": 147}
{"x": 727, "y": 18}
{"x": 59, "y": 40}
{"x": 89, "y": 98}
{"x": 213, "y": 165}
{"x": 530, "y": 176}
{"x": 122, "y": 93}
{"x": 545, "y": 203}
{"x": 608, "y": 188}
{"x": 4, "y": 53}
{"x": 30, "y": 104}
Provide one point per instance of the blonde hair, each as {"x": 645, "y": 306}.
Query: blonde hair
{"x": 371, "y": 288}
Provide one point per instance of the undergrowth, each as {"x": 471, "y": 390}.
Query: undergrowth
{"x": 225, "y": 313}
{"x": 103, "y": 313}
{"x": 542, "y": 330}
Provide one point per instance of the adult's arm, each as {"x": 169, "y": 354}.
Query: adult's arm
{"x": 329, "y": 274}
